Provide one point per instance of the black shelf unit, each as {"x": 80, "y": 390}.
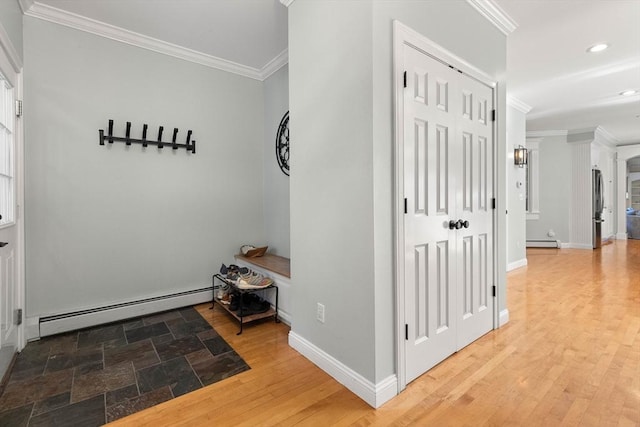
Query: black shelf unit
{"x": 243, "y": 319}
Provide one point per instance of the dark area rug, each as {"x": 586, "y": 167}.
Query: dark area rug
{"x": 97, "y": 375}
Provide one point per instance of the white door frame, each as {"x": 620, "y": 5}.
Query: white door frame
{"x": 10, "y": 62}
{"x": 403, "y": 35}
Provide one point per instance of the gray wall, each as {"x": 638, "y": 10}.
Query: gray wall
{"x": 276, "y": 183}
{"x": 332, "y": 246}
{"x": 11, "y": 21}
{"x": 516, "y": 203}
{"x": 555, "y": 191}
{"x": 342, "y": 181}
{"x": 107, "y": 224}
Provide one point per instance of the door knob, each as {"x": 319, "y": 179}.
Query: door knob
{"x": 453, "y": 225}
{"x": 464, "y": 224}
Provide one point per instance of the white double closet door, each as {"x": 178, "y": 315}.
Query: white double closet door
{"x": 448, "y": 225}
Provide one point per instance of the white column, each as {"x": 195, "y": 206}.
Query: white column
{"x": 621, "y": 211}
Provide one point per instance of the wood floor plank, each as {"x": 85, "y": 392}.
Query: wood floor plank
{"x": 570, "y": 355}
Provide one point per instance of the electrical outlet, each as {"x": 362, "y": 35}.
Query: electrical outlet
{"x": 320, "y": 313}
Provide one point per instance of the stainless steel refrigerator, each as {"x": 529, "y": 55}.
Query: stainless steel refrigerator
{"x": 597, "y": 189}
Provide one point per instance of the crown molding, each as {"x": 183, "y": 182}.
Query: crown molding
{"x": 607, "y": 137}
{"x": 544, "y": 133}
{"x": 518, "y": 105}
{"x": 286, "y": 3}
{"x": 25, "y": 5}
{"x": 495, "y": 14}
{"x": 275, "y": 64}
{"x": 78, "y": 22}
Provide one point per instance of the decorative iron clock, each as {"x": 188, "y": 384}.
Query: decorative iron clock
{"x": 282, "y": 144}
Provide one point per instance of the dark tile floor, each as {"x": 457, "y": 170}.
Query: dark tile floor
{"x": 94, "y": 376}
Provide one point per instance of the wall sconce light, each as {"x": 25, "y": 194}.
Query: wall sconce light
{"x": 520, "y": 156}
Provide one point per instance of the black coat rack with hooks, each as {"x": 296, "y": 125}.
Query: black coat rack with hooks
{"x": 189, "y": 145}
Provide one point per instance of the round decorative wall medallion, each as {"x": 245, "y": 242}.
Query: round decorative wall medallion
{"x": 282, "y": 144}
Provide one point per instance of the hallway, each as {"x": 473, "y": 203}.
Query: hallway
{"x": 569, "y": 355}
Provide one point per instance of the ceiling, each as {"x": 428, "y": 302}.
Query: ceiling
{"x": 548, "y": 68}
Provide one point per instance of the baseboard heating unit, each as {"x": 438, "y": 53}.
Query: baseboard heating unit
{"x": 55, "y": 324}
{"x": 543, "y": 243}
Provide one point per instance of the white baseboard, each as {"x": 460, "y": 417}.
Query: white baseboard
{"x": 517, "y": 264}
{"x": 576, "y": 246}
{"x": 32, "y": 328}
{"x": 503, "y": 318}
{"x": 56, "y": 324}
{"x": 621, "y": 236}
{"x": 374, "y": 394}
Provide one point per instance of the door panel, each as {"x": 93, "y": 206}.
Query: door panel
{"x": 447, "y": 176}
{"x": 429, "y": 270}
{"x": 476, "y": 132}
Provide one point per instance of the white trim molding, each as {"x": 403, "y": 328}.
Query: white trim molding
{"x": 504, "y": 318}
{"x": 68, "y": 19}
{"x": 495, "y": 14}
{"x": 543, "y": 133}
{"x": 518, "y": 105}
{"x": 517, "y": 264}
{"x": 286, "y": 3}
{"x": 373, "y": 394}
{"x": 275, "y": 64}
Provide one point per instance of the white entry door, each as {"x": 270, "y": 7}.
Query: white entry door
{"x": 11, "y": 294}
{"x": 448, "y": 224}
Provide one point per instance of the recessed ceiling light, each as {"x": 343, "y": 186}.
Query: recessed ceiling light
{"x": 598, "y": 47}
{"x": 628, "y": 92}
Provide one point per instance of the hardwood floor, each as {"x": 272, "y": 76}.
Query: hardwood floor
{"x": 570, "y": 355}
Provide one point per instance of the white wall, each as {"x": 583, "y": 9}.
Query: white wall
{"x": 516, "y": 191}
{"x": 341, "y": 102}
{"x": 555, "y": 190}
{"x": 276, "y": 183}
{"x": 106, "y": 224}
{"x": 11, "y": 21}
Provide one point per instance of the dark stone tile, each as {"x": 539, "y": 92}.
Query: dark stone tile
{"x": 98, "y": 335}
{"x": 161, "y": 317}
{"x": 178, "y": 347}
{"x": 217, "y": 346}
{"x": 87, "y": 413}
{"x": 176, "y": 373}
{"x": 199, "y": 356}
{"x": 180, "y": 328}
{"x": 220, "y": 367}
{"x": 20, "y": 393}
{"x": 51, "y": 403}
{"x": 89, "y": 367}
{"x": 206, "y": 335}
{"x": 17, "y": 417}
{"x": 115, "y": 343}
{"x": 162, "y": 339}
{"x": 148, "y": 331}
{"x": 141, "y": 353}
{"x": 30, "y": 362}
{"x": 122, "y": 394}
{"x": 190, "y": 314}
{"x": 131, "y": 406}
{"x": 133, "y": 324}
{"x": 62, "y": 343}
{"x": 99, "y": 382}
{"x": 84, "y": 356}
